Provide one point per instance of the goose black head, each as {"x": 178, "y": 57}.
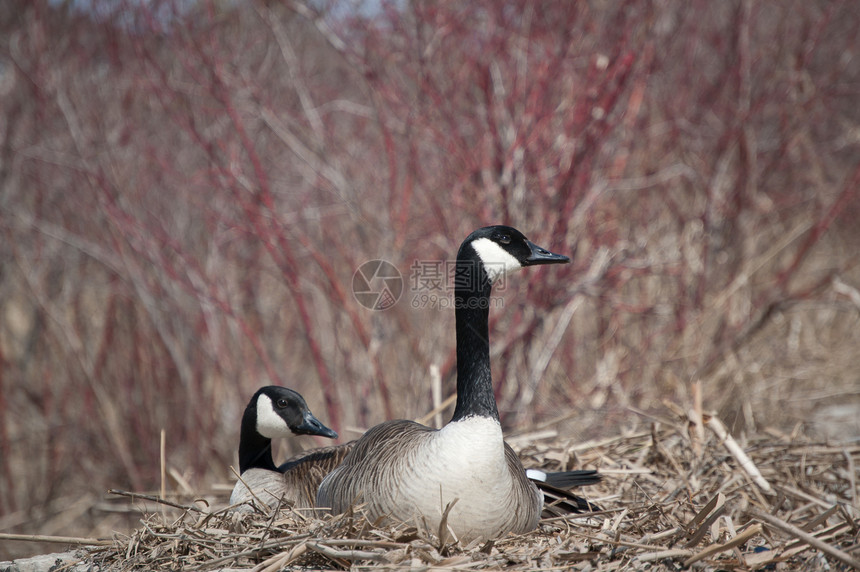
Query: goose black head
{"x": 281, "y": 412}
{"x": 501, "y": 249}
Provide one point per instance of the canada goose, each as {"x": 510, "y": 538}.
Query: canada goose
{"x": 409, "y": 472}
{"x": 280, "y": 412}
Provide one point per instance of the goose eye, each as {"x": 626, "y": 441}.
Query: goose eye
{"x": 282, "y": 403}
{"x": 505, "y": 238}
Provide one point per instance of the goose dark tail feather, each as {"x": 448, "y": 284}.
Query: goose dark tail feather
{"x": 557, "y": 499}
{"x": 571, "y": 479}
{"x": 558, "y": 502}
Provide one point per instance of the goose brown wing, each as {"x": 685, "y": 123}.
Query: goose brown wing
{"x": 374, "y": 463}
{"x": 304, "y": 472}
{"x": 527, "y": 500}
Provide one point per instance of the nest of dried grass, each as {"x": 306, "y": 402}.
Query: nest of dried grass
{"x": 680, "y": 495}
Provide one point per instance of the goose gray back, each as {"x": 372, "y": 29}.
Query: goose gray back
{"x": 275, "y": 412}
{"x": 405, "y": 471}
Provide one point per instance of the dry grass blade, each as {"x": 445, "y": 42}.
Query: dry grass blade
{"x": 155, "y": 499}
{"x": 852, "y": 477}
{"x": 444, "y": 532}
{"x": 259, "y": 503}
{"x": 738, "y": 540}
{"x": 663, "y": 555}
{"x": 56, "y": 539}
{"x": 706, "y": 517}
{"x": 437, "y": 409}
{"x": 788, "y": 528}
{"x": 729, "y": 442}
{"x": 335, "y": 554}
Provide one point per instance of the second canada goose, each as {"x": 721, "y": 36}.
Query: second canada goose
{"x": 274, "y": 412}
{"x": 406, "y": 471}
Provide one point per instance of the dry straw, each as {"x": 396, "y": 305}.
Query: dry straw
{"x": 674, "y": 498}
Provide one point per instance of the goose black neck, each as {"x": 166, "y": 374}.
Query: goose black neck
{"x": 255, "y": 451}
{"x": 472, "y": 310}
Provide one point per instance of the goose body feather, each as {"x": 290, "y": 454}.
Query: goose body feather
{"x": 421, "y": 471}
{"x": 294, "y": 483}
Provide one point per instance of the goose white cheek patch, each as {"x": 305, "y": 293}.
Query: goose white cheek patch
{"x": 497, "y": 261}
{"x": 269, "y": 423}
{"x": 536, "y": 475}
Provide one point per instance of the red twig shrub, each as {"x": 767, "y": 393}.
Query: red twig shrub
{"x": 187, "y": 190}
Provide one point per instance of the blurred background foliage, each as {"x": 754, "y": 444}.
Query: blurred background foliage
{"x": 186, "y": 189}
